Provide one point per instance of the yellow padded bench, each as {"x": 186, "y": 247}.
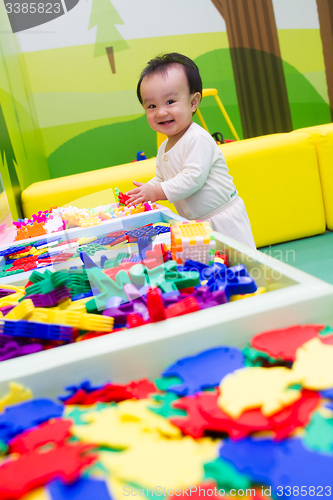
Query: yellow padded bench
{"x": 276, "y": 175}
{"x": 68, "y": 190}
{"x": 322, "y": 136}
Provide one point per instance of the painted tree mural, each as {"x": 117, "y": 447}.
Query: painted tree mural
{"x": 325, "y": 13}
{"x": 104, "y": 16}
{"x": 257, "y": 66}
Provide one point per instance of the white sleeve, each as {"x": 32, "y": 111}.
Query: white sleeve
{"x": 197, "y": 164}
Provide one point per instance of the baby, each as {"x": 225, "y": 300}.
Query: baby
{"x": 191, "y": 171}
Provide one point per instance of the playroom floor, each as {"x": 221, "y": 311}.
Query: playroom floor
{"x": 313, "y": 255}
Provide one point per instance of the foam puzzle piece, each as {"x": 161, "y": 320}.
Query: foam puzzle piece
{"x": 22, "y": 416}
{"x": 284, "y": 342}
{"x": 85, "y": 385}
{"x": 313, "y": 365}
{"x": 226, "y": 475}
{"x": 165, "y": 408}
{"x": 17, "y": 393}
{"x": 256, "y": 387}
{"x": 55, "y": 431}
{"x": 285, "y": 464}
{"x": 204, "y": 415}
{"x": 124, "y": 425}
{"x": 106, "y": 287}
{"x": 204, "y": 370}
{"x": 86, "y": 488}
{"x": 30, "y": 471}
{"x": 75, "y": 413}
{"x": 319, "y": 434}
{"x": 173, "y": 463}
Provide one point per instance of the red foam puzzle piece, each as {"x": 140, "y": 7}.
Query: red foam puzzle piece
{"x": 35, "y": 469}
{"x": 205, "y": 415}
{"x": 283, "y": 343}
{"x": 56, "y": 431}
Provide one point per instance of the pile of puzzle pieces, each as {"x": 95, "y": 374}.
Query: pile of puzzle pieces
{"x": 61, "y": 218}
{"x": 65, "y": 306}
{"x": 55, "y": 249}
{"x": 256, "y": 422}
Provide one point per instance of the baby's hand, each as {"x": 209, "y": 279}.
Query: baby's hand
{"x": 141, "y": 194}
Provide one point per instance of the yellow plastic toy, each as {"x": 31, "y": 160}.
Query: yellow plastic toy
{"x": 206, "y": 93}
{"x": 313, "y": 365}
{"x": 16, "y": 394}
{"x": 254, "y": 387}
{"x": 74, "y": 318}
{"x": 23, "y": 311}
{"x": 260, "y": 291}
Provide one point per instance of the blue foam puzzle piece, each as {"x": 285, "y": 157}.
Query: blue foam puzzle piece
{"x": 18, "y": 418}
{"x": 85, "y": 488}
{"x": 204, "y": 370}
{"x": 327, "y": 393}
{"x": 85, "y": 385}
{"x": 281, "y": 465}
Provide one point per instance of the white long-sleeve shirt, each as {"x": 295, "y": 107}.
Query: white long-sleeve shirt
{"x": 194, "y": 175}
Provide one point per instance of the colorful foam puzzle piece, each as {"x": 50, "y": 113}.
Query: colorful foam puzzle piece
{"x": 226, "y": 475}
{"x": 85, "y": 488}
{"x": 55, "y": 431}
{"x": 35, "y": 469}
{"x": 165, "y": 407}
{"x": 313, "y": 365}
{"x": 123, "y": 425}
{"x": 319, "y": 434}
{"x": 284, "y": 342}
{"x": 256, "y": 387}
{"x": 75, "y": 413}
{"x": 17, "y": 393}
{"x": 204, "y": 370}
{"x": 173, "y": 463}
{"x": 24, "y": 415}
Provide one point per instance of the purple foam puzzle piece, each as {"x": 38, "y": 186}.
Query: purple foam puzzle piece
{"x": 204, "y": 370}
{"x": 86, "y": 488}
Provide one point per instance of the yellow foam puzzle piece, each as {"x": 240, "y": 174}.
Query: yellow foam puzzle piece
{"x": 123, "y": 426}
{"x": 171, "y": 463}
{"x": 17, "y": 393}
{"x": 37, "y": 494}
{"x": 313, "y": 365}
{"x": 256, "y": 387}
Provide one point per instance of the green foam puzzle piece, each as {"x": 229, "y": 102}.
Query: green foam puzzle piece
{"x": 319, "y": 434}
{"x": 165, "y": 409}
{"x": 226, "y": 475}
{"x": 164, "y": 383}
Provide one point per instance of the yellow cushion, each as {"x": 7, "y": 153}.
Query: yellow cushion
{"x": 69, "y": 190}
{"x": 277, "y": 177}
{"x": 322, "y": 136}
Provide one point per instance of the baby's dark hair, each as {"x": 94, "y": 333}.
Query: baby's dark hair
{"x": 160, "y": 64}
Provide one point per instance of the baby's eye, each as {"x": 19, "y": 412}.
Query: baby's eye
{"x": 151, "y": 106}
{"x": 170, "y": 101}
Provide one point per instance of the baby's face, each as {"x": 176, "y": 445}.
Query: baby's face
{"x": 168, "y": 104}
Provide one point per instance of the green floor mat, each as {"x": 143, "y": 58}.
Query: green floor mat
{"x": 313, "y": 255}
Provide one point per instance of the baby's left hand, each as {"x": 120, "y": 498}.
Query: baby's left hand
{"x": 141, "y": 194}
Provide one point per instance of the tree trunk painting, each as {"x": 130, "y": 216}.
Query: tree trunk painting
{"x": 257, "y": 65}
{"x": 325, "y": 13}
